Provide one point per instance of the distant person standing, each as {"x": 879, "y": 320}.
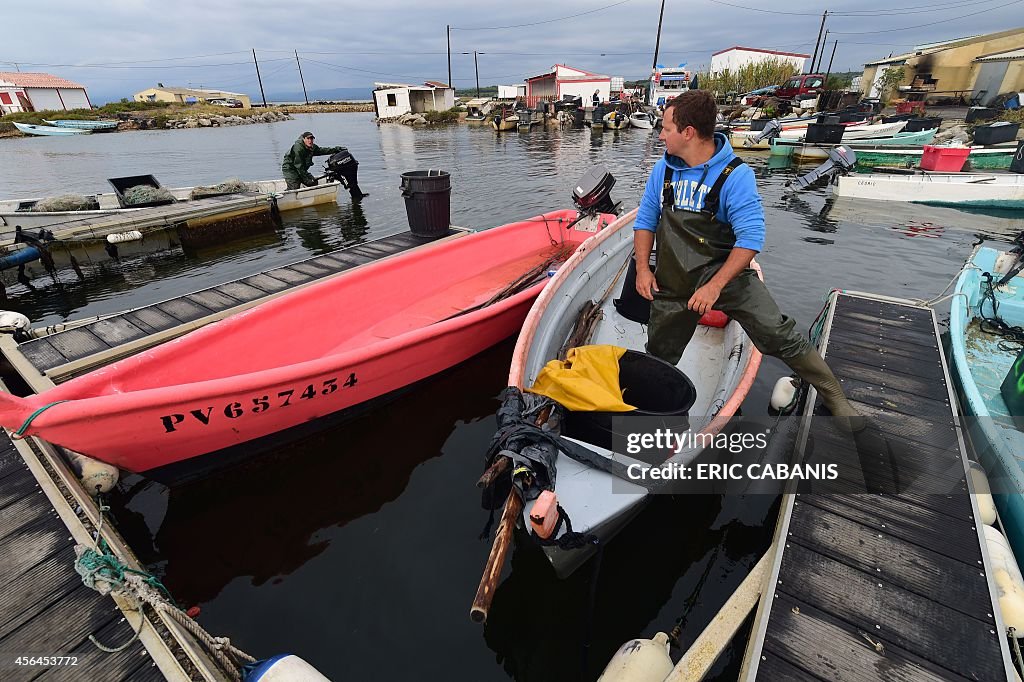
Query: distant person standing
{"x": 299, "y": 159}
{"x": 596, "y": 99}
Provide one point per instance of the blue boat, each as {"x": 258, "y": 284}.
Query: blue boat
{"x": 981, "y": 360}
{"x": 31, "y": 129}
{"x": 83, "y": 125}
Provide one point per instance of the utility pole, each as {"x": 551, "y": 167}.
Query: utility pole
{"x": 821, "y": 55}
{"x": 657, "y": 41}
{"x": 830, "y": 62}
{"x": 450, "y": 56}
{"x": 477, "y": 69}
{"x": 258, "y": 78}
{"x": 301, "y": 80}
{"x": 818, "y": 40}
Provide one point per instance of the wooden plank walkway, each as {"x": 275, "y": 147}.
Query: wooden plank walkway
{"x": 45, "y": 610}
{"x": 892, "y": 583}
{"x": 71, "y": 352}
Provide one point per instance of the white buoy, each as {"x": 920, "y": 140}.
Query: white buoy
{"x": 784, "y": 394}
{"x": 11, "y": 321}
{"x": 96, "y": 477}
{"x": 983, "y": 493}
{"x": 285, "y": 668}
{"x": 1008, "y": 581}
{"x": 120, "y": 237}
{"x": 639, "y": 660}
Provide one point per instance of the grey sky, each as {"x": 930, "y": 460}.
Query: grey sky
{"x": 348, "y": 44}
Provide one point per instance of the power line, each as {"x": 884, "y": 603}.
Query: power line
{"x": 159, "y": 66}
{"x": 857, "y": 13}
{"x": 943, "y": 21}
{"x": 538, "y": 23}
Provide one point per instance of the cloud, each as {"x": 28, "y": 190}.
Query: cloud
{"x": 112, "y": 47}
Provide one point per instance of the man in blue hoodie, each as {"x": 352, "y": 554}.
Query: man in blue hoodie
{"x": 702, "y": 206}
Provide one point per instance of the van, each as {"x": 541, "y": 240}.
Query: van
{"x": 800, "y": 85}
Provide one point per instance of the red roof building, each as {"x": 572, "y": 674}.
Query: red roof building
{"x": 21, "y": 91}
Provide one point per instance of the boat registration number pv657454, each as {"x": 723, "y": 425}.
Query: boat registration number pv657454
{"x": 258, "y": 404}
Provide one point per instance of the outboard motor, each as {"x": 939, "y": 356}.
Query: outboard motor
{"x": 841, "y": 160}
{"x": 592, "y": 193}
{"x": 772, "y": 129}
{"x": 342, "y": 167}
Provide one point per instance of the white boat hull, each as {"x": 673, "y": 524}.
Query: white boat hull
{"x": 721, "y": 363}
{"x": 980, "y": 190}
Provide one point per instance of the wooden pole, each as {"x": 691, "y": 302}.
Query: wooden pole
{"x": 829, "y": 71}
{"x": 814, "y": 58}
{"x": 657, "y": 40}
{"x": 496, "y": 559}
{"x": 301, "y": 79}
{"x": 450, "y": 56}
{"x": 476, "y": 68}
{"x": 258, "y": 78}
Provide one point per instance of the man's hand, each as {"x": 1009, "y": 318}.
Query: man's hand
{"x": 646, "y": 285}
{"x": 704, "y": 298}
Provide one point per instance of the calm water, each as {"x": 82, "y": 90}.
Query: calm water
{"x": 357, "y": 548}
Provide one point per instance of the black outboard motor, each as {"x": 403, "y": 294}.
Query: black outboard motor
{"x": 592, "y": 193}
{"x": 342, "y": 167}
{"x": 771, "y": 130}
{"x": 841, "y": 160}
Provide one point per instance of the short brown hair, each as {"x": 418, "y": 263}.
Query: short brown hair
{"x": 695, "y": 108}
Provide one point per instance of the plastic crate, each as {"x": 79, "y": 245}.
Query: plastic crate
{"x": 825, "y": 133}
{"x": 996, "y": 133}
{"x": 944, "y": 159}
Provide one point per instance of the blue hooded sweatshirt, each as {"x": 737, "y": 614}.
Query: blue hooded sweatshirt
{"x": 739, "y": 204}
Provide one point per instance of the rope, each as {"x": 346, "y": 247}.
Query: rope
{"x": 994, "y": 324}
{"x": 102, "y": 571}
{"x": 28, "y": 422}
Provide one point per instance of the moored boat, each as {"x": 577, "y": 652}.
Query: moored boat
{"x": 504, "y": 119}
{"x": 84, "y": 124}
{"x": 641, "y": 119}
{"x": 362, "y": 334}
{"x": 982, "y": 157}
{"x": 615, "y": 120}
{"x": 801, "y": 151}
{"x": 719, "y": 362}
{"x": 981, "y": 361}
{"x": 974, "y": 190}
{"x": 48, "y": 131}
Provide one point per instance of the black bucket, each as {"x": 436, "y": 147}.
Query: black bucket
{"x": 630, "y": 304}
{"x": 428, "y": 202}
{"x": 916, "y": 125}
{"x": 654, "y": 387}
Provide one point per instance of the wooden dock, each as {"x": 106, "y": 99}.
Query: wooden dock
{"x": 893, "y": 583}
{"x": 57, "y": 357}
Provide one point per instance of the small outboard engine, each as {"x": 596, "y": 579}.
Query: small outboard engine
{"x": 771, "y": 130}
{"x": 342, "y": 167}
{"x": 592, "y": 193}
{"x": 841, "y": 160}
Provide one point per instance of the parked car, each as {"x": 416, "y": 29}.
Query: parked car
{"x": 801, "y": 85}
{"x": 225, "y": 102}
{"x": 756, "y": 97}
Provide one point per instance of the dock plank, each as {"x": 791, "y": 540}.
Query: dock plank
{"x": 887, "y": 334}
{"x": 93, "y": 664}
{"x": 930, "y": 391}
{"x": 42, "y": 354}
{"x": 911, "y": 622}
{"x": 34, "y": 544}
{"x": 265, "y": 283}
{"x": 37, "y": 590}
{"x": 183, "y": 309}
{"x": 116, "y": 331}
{"x": 915, "y": 568}
{"x": 801, "y": 630}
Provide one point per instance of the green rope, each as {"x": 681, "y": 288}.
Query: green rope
{"x": 103, "y": 566}
{"x": 31, "y": 417}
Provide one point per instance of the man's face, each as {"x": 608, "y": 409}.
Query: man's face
{"x": 676, "y": 141}
{"x": 308, "y": 142}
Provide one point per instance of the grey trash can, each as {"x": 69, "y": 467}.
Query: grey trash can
{"x": 428, "y": 202}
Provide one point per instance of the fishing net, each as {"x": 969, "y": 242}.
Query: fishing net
{"x": 145, "y": 194}
{"x": 232, "y": 186}
{"x": 67, "y": 202}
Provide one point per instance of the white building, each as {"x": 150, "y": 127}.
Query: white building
{"x": 394, "y": 99}
{"x": 21, "y": 91}
{"x": 511, "y": 91}
{"x": 565, "y": 80}
{"x": 736, "y": 57}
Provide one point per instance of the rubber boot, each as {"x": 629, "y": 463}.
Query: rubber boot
{"x": 811, "y": 368}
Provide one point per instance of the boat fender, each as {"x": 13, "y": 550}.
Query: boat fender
{"x": 983, "y": 494}
{"x": 97, "y": 477}
{"x": 639, "y": 660}
{"x": 713, "y": 318}
{"x": 121, "y": 237}
{"x": 283, "y": 668}
{"x": 1008, "y": 581}
{"x": 12, "y": 322}
{"x": 784, "y": 395}
{"x": 544, "y": 515}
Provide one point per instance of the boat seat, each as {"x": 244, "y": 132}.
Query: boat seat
{"x": 714, "y": 318}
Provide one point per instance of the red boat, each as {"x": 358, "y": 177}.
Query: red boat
{"x": 311, "y": 353}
